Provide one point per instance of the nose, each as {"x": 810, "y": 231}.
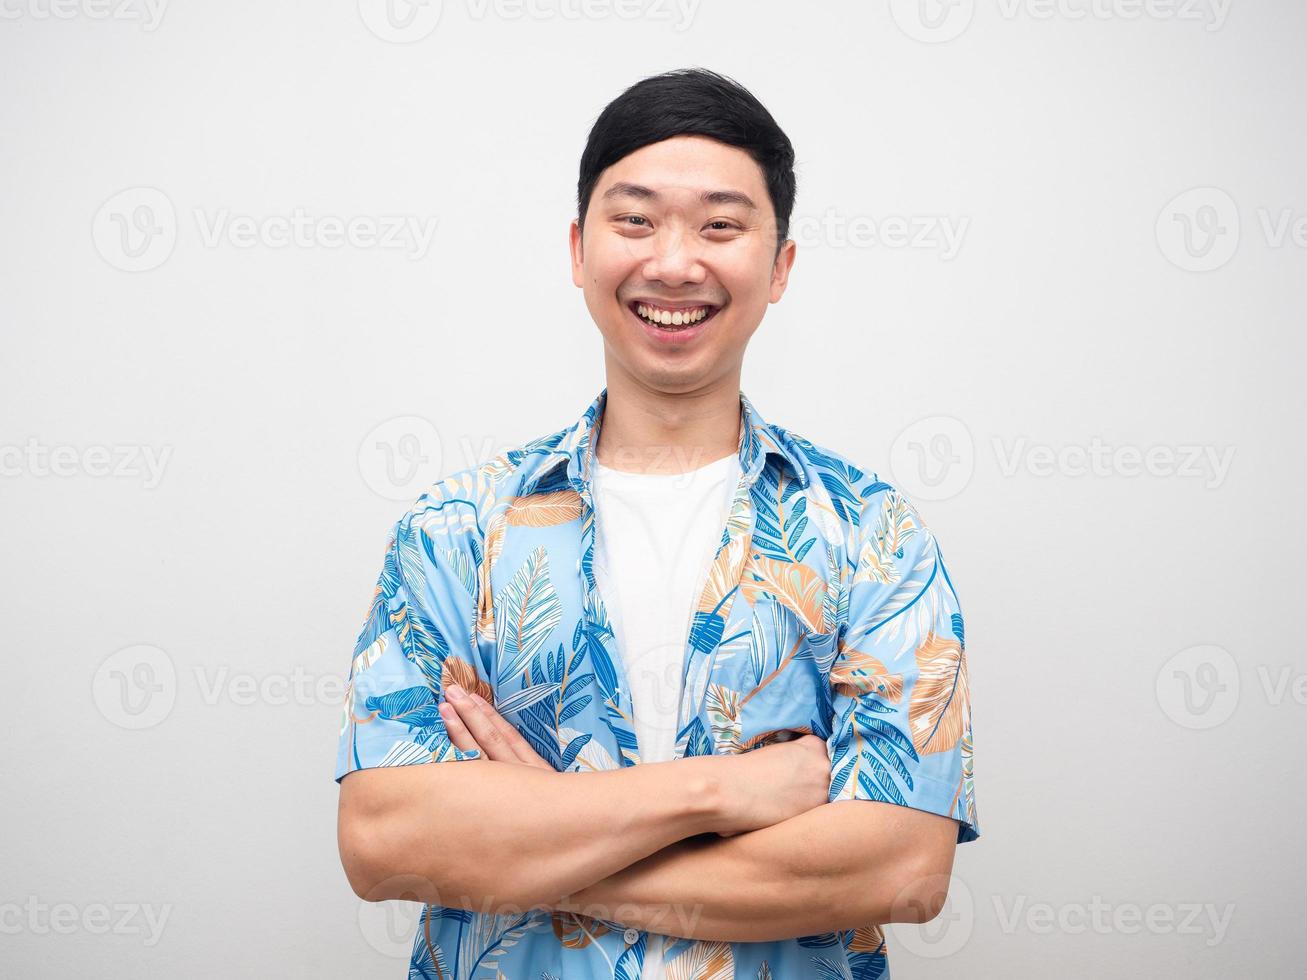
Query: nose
{"x": 676, "y": 258}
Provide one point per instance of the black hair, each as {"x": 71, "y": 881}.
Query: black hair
{"x": 691, "y": 102}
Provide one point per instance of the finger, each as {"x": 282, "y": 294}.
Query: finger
{"x": 487, "y": 735}
{"x": 458, "y": 733}
{"x": 512, "y": 737}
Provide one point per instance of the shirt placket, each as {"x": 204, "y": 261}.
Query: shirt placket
{"x": 741, "y": 505}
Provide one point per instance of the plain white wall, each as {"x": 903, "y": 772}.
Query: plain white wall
{"x": 1133, "y": 616}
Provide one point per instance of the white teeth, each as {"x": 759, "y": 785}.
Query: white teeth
{"x": 672, "y": 318}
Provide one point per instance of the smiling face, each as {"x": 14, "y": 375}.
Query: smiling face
{"x": 678, "y": 261}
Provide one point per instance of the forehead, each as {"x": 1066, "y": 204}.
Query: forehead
{"x": 683, "y": 169}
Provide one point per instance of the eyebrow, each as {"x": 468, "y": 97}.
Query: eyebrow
{"x": 638, "y": 191}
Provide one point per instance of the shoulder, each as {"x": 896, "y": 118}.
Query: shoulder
{"x": 463, "y": 503}
{"x": 858, "y": 493}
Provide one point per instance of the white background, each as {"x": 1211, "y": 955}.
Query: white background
{"x": 1073, "y": 312}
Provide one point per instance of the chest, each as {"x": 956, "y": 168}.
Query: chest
{"x": 750, "y": 655}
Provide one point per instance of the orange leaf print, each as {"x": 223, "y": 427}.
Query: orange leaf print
{"x": 704, "y": 961}
{"x": 456, "y": 670}
{"x": 798, "y": 587}
{"x": 940, "y": 698}
{"x": 856, "y": 673}
{"x": 867, "y": 939}
{"x": 545, "y": 509}
{"x": 494, "y": 547}
{"x": 577, "y": 931}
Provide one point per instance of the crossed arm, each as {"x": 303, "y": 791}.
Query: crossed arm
{"x": 838, "y": 866}
{"x": 579, "y": 844}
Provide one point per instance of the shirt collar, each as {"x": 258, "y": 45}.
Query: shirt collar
{"x": 758, "y": 440}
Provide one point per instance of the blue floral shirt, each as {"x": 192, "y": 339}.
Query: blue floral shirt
{"x": 827, "y": 610}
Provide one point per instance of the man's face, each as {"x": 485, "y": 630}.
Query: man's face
{"x": 685, "y": 230}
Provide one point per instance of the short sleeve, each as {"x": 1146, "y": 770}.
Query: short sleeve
{"x": 901, "y": 729}
{"x": 418, "y": 637}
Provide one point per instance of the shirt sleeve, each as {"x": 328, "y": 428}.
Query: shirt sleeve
{"x": 901, "y": 730}
{"x": 418, "y": 637}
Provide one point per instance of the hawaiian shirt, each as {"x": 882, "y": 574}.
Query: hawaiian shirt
{"x": 827, "y": 609}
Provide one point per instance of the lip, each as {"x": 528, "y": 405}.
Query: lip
{"x": 672, "y": 338}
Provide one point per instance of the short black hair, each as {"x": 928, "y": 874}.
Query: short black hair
{"x": 691, "y": 102}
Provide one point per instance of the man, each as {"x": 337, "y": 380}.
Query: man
{"x": 706, "y": 679}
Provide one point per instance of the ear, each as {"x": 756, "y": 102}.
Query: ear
{"x": 780, "y": 273}
{"x": 574, "y": 245}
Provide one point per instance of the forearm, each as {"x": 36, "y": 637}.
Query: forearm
{"x": 484, "y": 834}
{"x": 838, "y": 866}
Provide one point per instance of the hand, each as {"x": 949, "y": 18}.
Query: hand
{"x": 774, "y": 783}
{"x": 473, "y": 723}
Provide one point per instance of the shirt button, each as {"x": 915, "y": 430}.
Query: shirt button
{"x": 631, "y": 936}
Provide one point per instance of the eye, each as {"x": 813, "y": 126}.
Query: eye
{"x": 723, "y": 225}
{"x": 633, "y": 219}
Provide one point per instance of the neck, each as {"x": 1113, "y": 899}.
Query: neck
{"x": 648, "y": 431}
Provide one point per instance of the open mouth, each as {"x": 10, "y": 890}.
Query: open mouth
{"x": 673, "y": 319}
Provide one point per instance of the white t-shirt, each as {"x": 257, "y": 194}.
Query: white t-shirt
{"x": 655, "y": 535}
